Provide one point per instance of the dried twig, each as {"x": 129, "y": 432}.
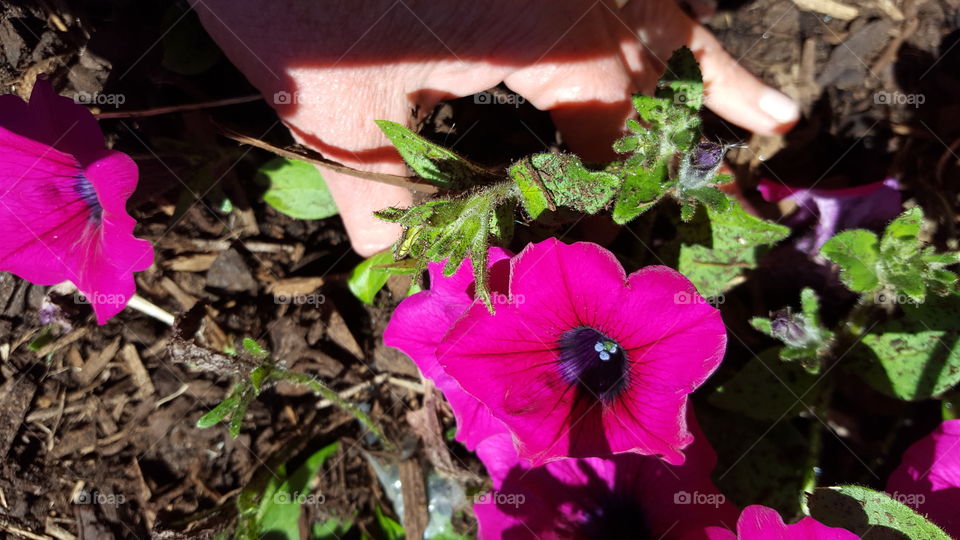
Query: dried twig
{"x": 317, "y": 159}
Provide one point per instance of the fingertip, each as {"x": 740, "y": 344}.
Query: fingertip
{"x": 737, "y": 95}
{"x": 779, "y": 107}
{"x": 357, "y": 200}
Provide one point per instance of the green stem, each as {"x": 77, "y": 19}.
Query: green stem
{"x": 816, "y": 442}
{"x": 327, "y": 393}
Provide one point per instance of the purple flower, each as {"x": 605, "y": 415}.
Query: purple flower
{"x": 869, "y": 206}
{"x": 701, "y": 164}
{"x": 62, "y": 201}
{"x": 707, "y": 155}
{"x": 625, "y": 496}
{"x": 928, "y": 478}
{"x": 581, "y": 360}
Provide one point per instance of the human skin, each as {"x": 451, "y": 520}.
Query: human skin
{"x": 344, "y": 64}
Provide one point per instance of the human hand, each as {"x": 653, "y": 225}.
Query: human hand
{"x": 331, "y": 68}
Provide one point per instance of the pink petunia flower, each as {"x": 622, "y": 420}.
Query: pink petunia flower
{"x": 928, "y": 478}
{"x": 869, "y": 206}
{"x": 581, "y": 360}
{"x": 420, "y": 322}
{"x": 62, "y": 201}
{"x": 624, "y": 496}
{"x": 761, "y": 523}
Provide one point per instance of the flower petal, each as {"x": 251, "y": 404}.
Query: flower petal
{"x": 41, "y": 214}
{"x": 420, "y": 321}
{"x": 559, "y": 499}
{"x": 761, "y": 523}
{"x": 928, "y": 478}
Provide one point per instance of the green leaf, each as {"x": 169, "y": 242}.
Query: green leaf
{"x": 862, "y": 510}
{"x": 533, "y": 194}
{"x": 767, "y": 388}
{"x": 432, "y": 162}
{"x": 641, "y": 190}
{"x": 568, "y": 183}
{"x": 255, "y": 349}
{"x": 368, "y": 277}
{"x": 297, "y": 189}
{"x": 904, "y": 229}
{"x": 917, "y": 356}
{"x": 279, "y": 511}
{"x": 391, "y": 529}
{"x": 713, "y": 198}
{"x": 732, "y": 240}
{"x": 455, "y": 229}
{"x": 758, "y": 462}
{"x": 247, "y": 393}
{"x": 331, "y": 529}
{"x": 258, "y": 376}
{"x": 856, "y": 253}
{"x": 218, "y": 413}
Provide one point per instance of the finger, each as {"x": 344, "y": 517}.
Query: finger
{"x": 589, "y": 98}
{"x": 731, "y": 91}
{"x": 735, "y": 94}
{"x": 328, "y": 108}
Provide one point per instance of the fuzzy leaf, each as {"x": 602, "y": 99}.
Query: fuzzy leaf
{"x": 255, "y": 349}
{"x": 432, "y": 162}
{"x": 218, "y": 413}
{"x": 568, "y": 183}
{"x": 758, "y": 461}
{"x": 862, "y": 510}
{"x": 533, "y": 195}
{"x": 917, "y": 356}
{"x": 734, "y": 237}
{"x": 641, "y": 190}
{"x": 856, "y": 253}
{"x": 766, "y": 388}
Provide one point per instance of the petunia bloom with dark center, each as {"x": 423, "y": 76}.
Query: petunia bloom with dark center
{"x": 594, "y": 362}
{"x": 583, "y": 360}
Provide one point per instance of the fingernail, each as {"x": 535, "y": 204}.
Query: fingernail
{"x": 781, "y": 108}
